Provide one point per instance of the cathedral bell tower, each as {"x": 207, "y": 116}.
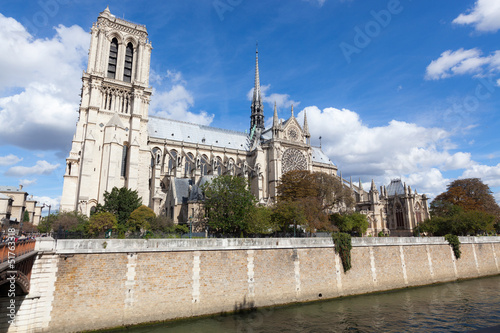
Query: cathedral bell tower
{"x": 112, "y": 127}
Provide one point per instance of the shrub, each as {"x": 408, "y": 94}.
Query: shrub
{"x": 454, "y": 243}
{"x": 343, "y": 247}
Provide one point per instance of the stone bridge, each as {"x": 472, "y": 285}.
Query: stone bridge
{"x": 16, "y": 262}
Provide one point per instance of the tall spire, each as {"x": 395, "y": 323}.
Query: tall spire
{"x": 257, "y": 117}
{"x": 256, "y": 88}
{"x": 275, "y": 116}
{"x": 292, "y": 112}
{"x": 306, "y": 126}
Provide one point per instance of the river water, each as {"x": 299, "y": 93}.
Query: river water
{"x": 451, "y": 307}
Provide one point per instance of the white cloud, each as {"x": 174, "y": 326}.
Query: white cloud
{"x": 45, "y": 76}
{"x": 489, "y": 174}
{"x": 398, "y": 149}
{"x": 9, "y": 160}
{"x": 431, "y": 182}
{"x": 27, "y": 182}
{"x": 485, "y": 16}
{"x": 317, "y": 2}
{"x": 53, "y": 202}
{"x": 461, "y": 62}
{"x": 175, "y": 104}
{"x": 41, "y": 168}
{"x": 281, "y": 100}
{"x": 175, "y": 101}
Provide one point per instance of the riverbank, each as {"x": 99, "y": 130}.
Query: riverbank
{"x": 95, "y": 284}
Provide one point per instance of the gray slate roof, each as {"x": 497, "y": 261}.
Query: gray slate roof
{"x": 319, "y": 156}
{"x": 10, "y": 189}
{"x": 182, "y": 189}
{"x": 395, "y": 187}
{"x": 162, "y": 128}
{"x": 192, "y": 133}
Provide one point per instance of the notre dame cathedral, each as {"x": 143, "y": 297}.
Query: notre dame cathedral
{"x": 116, "y": 143}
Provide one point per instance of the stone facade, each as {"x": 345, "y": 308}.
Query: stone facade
{"x": 117, "y": 144}
{"x": 94, "y": 284}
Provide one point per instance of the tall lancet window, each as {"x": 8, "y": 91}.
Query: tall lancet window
{"x": 129, "y": 57}
{"x": 113, "y": 56}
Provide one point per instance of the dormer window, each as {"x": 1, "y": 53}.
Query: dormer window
{"x": 113, "y": 56}
{"x": 129, "y": 57}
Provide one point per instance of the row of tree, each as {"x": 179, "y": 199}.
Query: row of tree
{"x": 122, "y": 213}
{"x": 305, "y": 204}
{"x": 467, "y": 207}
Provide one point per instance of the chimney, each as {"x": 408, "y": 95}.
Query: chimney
{"x": 20, "y": 187}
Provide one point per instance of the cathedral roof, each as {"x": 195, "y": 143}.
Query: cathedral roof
{"x": 319, "y": 156}
{"x": 162, "y": 128}
{"x": 192, "y": 133}
{"x": 395, "y": 187}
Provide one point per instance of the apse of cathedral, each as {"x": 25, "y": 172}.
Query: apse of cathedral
{"x": 117, "y": 144}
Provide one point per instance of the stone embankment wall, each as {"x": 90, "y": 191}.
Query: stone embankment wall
{"x": 92, "y": 284}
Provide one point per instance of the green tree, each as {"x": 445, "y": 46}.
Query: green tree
{"x": 260, "y": 221}
{"x": 469, "y": 194}
{"x": 45, "y": 225}
{"x": 101, "y": 222}
{"x": 162, "y": 223}
{"x": 120, "y": 202}
{"x": 316, "y": 193}
{"x": 467, "y": 207}
{"x": 353, "y": 223}
{"x": 227, "y": 203}
{"x": 26, "y": 216}
{"x": 461, "y": 224}
{"x": 288, "y": 215}
{"x": 70, "y": 221}
{"x": 141, "y": 218}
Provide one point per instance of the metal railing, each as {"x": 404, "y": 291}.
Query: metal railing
{"x": 20, "y": 248}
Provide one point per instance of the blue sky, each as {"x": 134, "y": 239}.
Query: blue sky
{"x": 406, "y": 89}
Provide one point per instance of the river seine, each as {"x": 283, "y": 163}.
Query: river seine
{"x": 451, "y": 307}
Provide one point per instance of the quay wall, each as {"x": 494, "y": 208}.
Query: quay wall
{"x": 92, "y": 284}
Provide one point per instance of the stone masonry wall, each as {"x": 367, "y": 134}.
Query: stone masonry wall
{"x": 93, "y": 284}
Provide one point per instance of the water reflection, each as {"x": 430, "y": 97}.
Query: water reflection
{"x": 452, "y": 307}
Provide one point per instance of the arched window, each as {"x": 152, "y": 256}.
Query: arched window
{"x": 400, "y": 224}
{"x": 204, "y": 166}
{"x": 418, "y": 213}
{"x": 129, "y": 56}
{"x": 155, "y": 156}
{"x": 188, "y": 166}
{"x": 218, "y": 167}
{"x": 172, "y": 162}
{"x": 113, "y": 56}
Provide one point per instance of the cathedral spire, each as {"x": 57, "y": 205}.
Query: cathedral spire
{"x": 306, "y": 126}
{"x": 257, "y": 117}
{"x": 373, "y": 188}
{"x": 275, "y": 116}
{"x": 292, "y": 112}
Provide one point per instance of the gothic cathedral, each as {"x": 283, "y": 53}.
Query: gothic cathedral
{"x": 117, "y": 143}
